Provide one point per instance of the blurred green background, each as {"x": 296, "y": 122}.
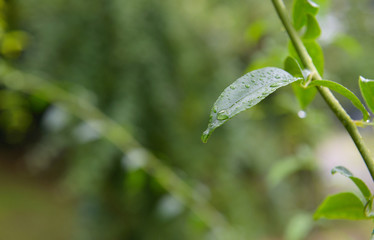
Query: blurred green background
{"x": 156, "y": 67}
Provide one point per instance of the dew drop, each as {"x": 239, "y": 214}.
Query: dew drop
{"x": 215, "y": 109}
{"x": 274, "y": 85}
{"x": 301, "y": 114}
{"x": 222, "y": 115}
{"x": 232, "y": 87}
{"x": 247, "y": 86}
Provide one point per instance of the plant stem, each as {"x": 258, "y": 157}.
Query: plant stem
{"x": 326, "y": 94}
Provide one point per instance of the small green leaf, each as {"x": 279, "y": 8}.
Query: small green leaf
{"x": 341, "y": 206}
{"x": 304, "y": 95}
{"x": 359, "y": 183}
{"x": 342, "y": 170}
{"x": 367, "y": 91}
{"x": 293, "y": 67}
{"x": 313, "y": 31}
{"x": 244, "y": 93}
{"x": 362, "y": 186}
{"x": 343, "y": 91}
{"x": 315, "y": 52}
{"x": 300, "y": 10}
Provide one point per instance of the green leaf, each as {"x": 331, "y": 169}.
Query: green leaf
{"x": 300, "y": 10}
{"x": 342, "y": 170}
{"x": 293, "y": 67}
{"x": 315, "y": 52}
{"x": 304, "y": 95}
{"x": 244, "y": 93}
{"x": 343, "y": 91}
{"x": 313, "y": 31}
{"x": 341, "y": 206}
{"x": 359, "y": 183}
{"x": 367, "y": 91}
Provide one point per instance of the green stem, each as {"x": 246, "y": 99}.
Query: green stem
{"x": 329, "y": 98}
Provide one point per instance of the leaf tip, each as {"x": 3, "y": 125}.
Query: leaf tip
{"x": 205, "y": 136}
{"x": 342, "y": 170}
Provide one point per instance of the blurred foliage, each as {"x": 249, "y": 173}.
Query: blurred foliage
{"x": 156, "y": 67}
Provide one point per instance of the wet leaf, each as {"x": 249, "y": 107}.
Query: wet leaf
{"x": 244, "y": 93}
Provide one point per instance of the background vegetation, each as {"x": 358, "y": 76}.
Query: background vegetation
{"x": 156, "y": 67}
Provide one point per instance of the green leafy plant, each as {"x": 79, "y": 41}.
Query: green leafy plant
{"x": 304, "y": 70}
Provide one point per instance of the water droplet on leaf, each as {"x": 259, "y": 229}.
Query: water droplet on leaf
{"x": 222, "y": 115}
{"x": 274, "y": 85}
